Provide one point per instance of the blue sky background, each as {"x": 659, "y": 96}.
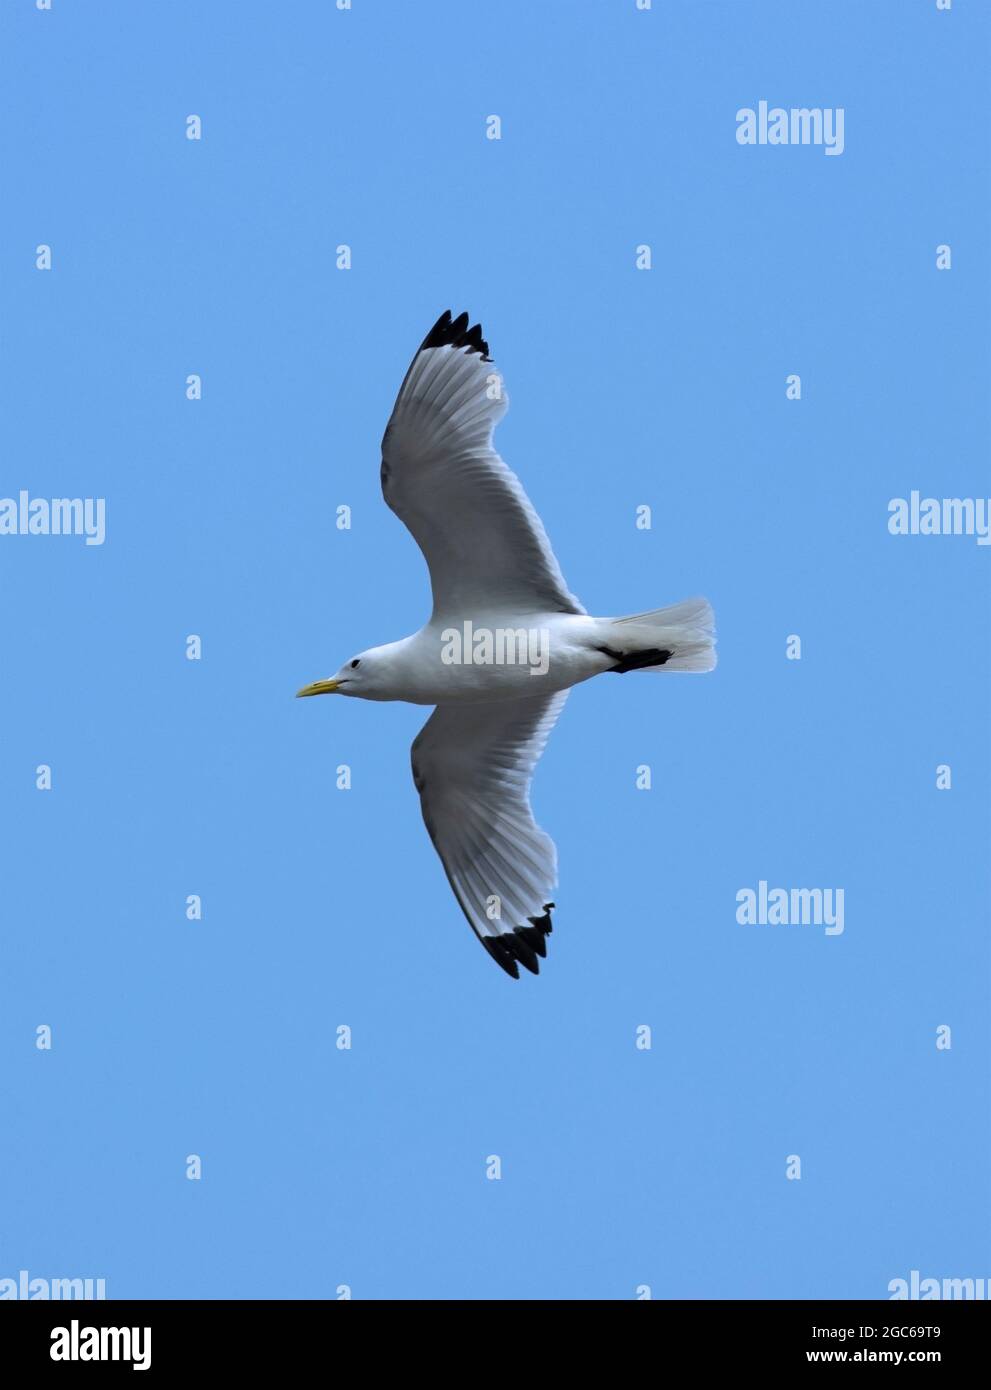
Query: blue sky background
{"x": 620, "y": 1167}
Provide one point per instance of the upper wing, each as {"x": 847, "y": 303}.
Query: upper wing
{"x": 483, "y": 542}
{"x": 472, "y": 765}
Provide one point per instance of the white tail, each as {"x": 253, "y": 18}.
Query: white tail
{"x": 686, "y": 630}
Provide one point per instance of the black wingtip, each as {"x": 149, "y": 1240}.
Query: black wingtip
{"x": 499, "y": 953}
{"x": 448, "y": 332}
{"x": 522, "y": 945}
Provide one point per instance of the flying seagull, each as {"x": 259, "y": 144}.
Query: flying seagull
{"x": 505, "y": 642}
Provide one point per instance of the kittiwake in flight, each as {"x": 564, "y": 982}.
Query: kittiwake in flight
{"x": 504, "y": 644}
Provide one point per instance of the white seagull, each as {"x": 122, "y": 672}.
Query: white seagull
{"x": 504, "y": 644}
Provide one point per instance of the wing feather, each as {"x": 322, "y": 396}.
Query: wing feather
{"x": 484, "y": 544}
{"x": 473, "y": 765}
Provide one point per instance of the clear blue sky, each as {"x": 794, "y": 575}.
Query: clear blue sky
{"x": 620, "y": 1167}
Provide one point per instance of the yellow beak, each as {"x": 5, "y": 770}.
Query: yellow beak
{"x": 317, "y": 688}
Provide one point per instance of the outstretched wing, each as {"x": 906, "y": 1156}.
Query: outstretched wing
{"x": 483, "y": 542}
{"x": 472, "y": 765}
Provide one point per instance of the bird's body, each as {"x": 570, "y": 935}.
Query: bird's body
{"x": 505, "y": 642}
{"x": 570, "y": 645}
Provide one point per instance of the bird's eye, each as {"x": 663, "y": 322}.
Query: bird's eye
{"x": 354, "y": 663}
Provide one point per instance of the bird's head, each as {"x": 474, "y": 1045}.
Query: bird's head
{"x": 359, "y": 676}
